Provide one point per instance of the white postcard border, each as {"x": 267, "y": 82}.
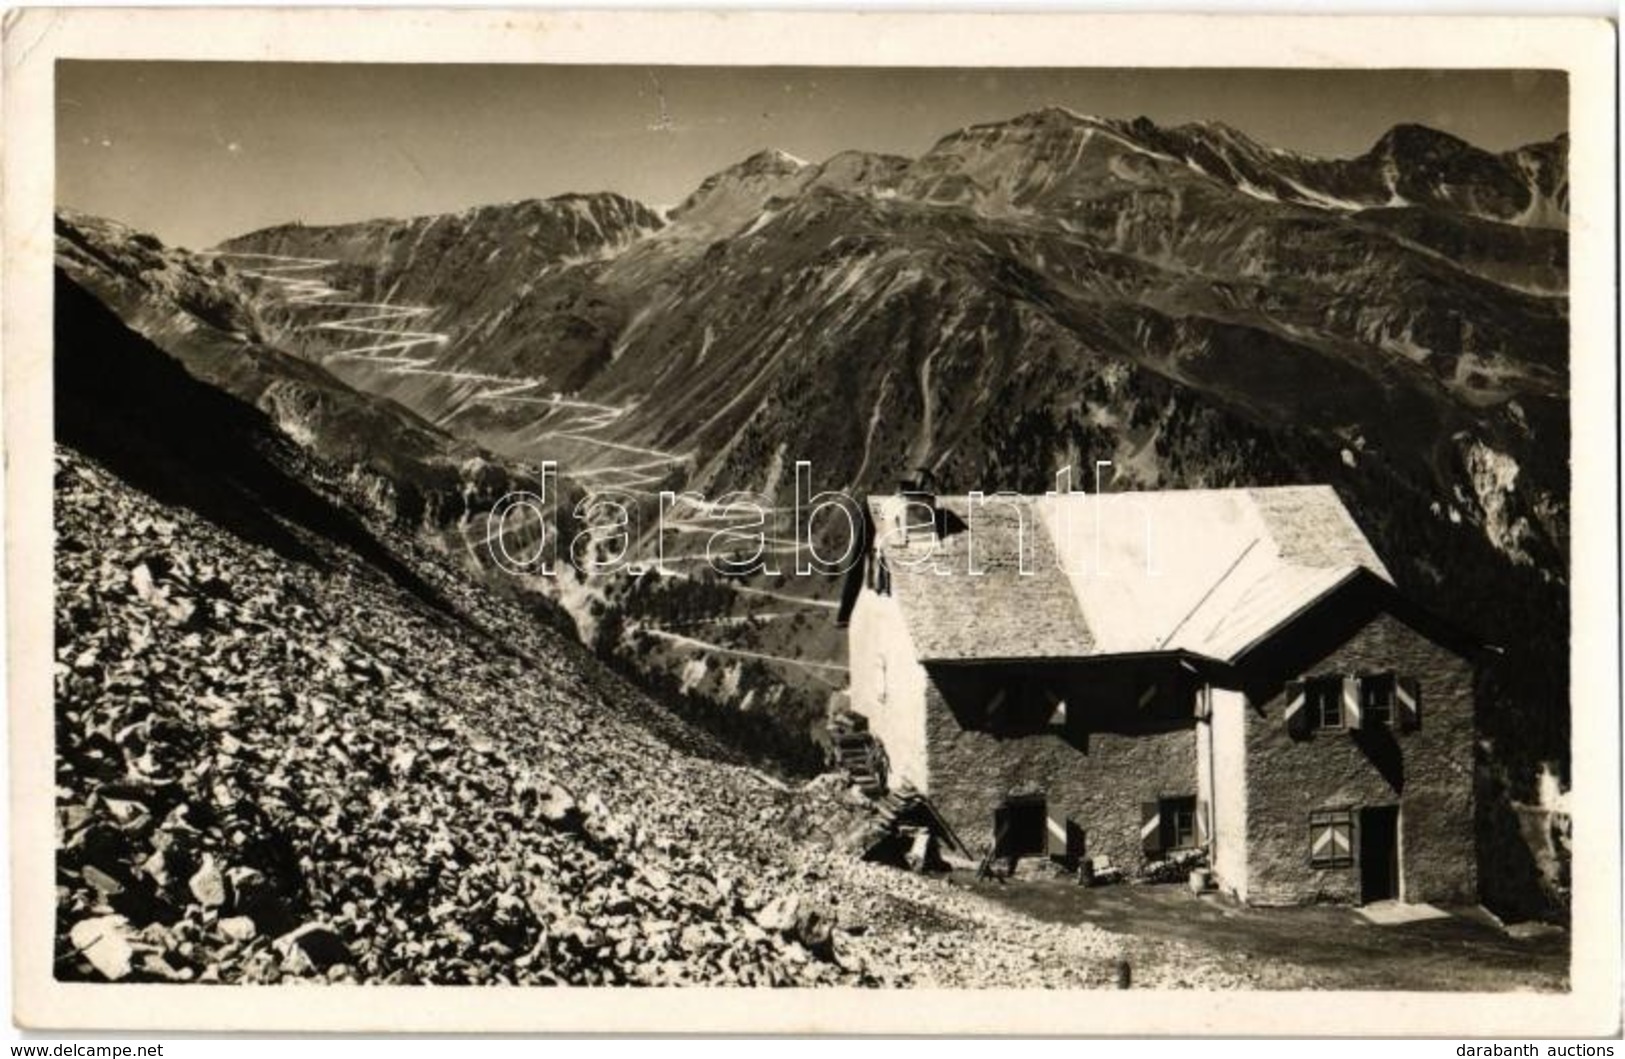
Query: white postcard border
{"x": 1584, "y": 47}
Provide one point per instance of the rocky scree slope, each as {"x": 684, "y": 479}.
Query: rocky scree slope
{"x": 293, "y": 745}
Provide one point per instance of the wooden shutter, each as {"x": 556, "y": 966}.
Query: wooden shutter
{"x": 1331, "y": 839}
{"x": 1321, "y": 844}
{"x": 1077, "y": 841}
{"x": 1408, "y": 701}
{"x": 1054, "y": 833}
{"x": 1151, "y": 829}
{"x": 1056, "y": 707}
{"x": 1351, "y": 703}
{"x": 1297, "y": 711}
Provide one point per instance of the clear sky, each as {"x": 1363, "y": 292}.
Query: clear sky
{"x": 197, "y": 152}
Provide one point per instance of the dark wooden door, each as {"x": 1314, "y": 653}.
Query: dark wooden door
{"x": 1379, "y": 853}
{"x": 1021, "y": 827}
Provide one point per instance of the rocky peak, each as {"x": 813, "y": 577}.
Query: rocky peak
{"x": 734, "y": 195}
{"x": 1411, "y": 142}
{"x": 860, "y": 171}
{"x": 1055, "y": 114}
{"x": 1049, "y": 120}
{"x": 772, "y": 160}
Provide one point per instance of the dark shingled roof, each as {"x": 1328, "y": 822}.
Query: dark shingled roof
{"x": 1311, "y": 527}
{"x": 954, "y": 615}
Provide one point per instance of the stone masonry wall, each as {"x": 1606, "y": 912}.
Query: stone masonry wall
{"x": 1097, "y": 778}
{"x": 1428, "y": 773}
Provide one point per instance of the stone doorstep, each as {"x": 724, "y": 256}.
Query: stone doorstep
{"x": 1393, "y": 913}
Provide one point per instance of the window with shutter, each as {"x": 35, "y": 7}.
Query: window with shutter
{"x": 1166, "y": 825}
{"x": 1297, "y": 710}
{"x": 1179, "y": 823}
{"x": 1408, "y": 701}
{"x": 1324, "y": 698}
{"x": 1377, "y": 698}
{"x": 1331, "y": 838}
{"x": 1151, "y": 829}
{"x": 1337, "y": 701}
{"x": 1351, "y": 702}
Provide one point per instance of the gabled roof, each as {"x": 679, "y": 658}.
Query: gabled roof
{"x": 1203, "y": 571}
{"x": 998, "y": 612}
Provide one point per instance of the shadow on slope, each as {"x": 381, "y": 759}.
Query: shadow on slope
{"x": 125, "y": 403}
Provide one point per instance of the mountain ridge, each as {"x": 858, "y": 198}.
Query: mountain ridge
{"x": 1402, "y": 139}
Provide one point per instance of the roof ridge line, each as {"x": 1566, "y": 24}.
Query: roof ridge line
{"x": 1209, "y": 593}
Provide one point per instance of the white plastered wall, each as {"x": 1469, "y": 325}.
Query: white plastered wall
{"x": 1228, "y": 732}
{"x": 888, "y": 686}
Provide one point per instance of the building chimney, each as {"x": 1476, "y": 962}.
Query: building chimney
{"x": 918, "y": 482}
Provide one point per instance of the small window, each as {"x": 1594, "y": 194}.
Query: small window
{"x": 1024, "y": 705}
{"x": 1325, "y": 701}
{"x": 1331, "y": 838}
{"x": 1179, "y": 823}
{"x": 1377, "y": 698}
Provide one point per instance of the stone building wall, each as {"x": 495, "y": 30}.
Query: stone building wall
{"x": 1428, "y": 773}
{"x": 1097, "y": 778}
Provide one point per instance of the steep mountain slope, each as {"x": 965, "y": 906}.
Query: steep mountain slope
{"x": 478, "y": 321}
{"x": 201, "y": 312}
{"x": 411, "y": 472}
{"x": 294, "y": 745}
{"x": 1057, "y": 289}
